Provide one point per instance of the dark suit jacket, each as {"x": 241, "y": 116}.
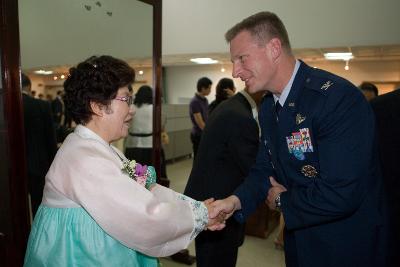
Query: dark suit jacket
{"x": 227, "y": 149}
{"x": 40, "y": 141}
{"x": 387, "y": 112}
{"x": 57, "y": 109}
{"x": 323, "y": 151}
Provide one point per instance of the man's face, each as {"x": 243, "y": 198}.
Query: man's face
{"x": 252, "y": 62}
{"x": 205, "y": 91}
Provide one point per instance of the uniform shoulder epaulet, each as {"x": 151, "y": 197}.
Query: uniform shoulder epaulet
{"x": 321, "y": 81}
{"x": 327, "y": 83}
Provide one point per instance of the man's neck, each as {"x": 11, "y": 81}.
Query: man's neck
{"x": 201, "y": 94}
{"x": 284, "y": 73}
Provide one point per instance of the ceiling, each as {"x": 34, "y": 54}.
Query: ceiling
{"x": 361, "y": 53}
{"x": 314, "y": 29}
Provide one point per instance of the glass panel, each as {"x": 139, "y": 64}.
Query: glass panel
{"x": 58, "y": 34}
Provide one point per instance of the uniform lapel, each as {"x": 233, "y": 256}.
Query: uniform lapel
{"x": 287, "y": 119}
{"x": 274, "y": 131}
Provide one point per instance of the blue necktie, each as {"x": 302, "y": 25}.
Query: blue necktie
{"x": 278, "y": 108}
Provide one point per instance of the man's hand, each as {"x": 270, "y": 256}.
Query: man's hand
{"x": 225, "y": 207}
{"x": 273, "y": 192}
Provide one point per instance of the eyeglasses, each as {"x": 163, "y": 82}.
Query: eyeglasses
{"x": 127, "y": 99}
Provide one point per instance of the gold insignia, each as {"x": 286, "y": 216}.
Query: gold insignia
{"x": 326, "y": 85}
{"x": 309, "y": 171}
{"x": 299, "y": 118}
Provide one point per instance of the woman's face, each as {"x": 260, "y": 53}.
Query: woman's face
{"x": 119, "y": 115}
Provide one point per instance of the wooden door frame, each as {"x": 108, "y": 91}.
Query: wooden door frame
{"x": 15, "y": 208}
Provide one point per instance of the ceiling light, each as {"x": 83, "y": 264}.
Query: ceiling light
{"x": 141, "y": 72}
{"x": 347, "y": 65}
{"x": 222, "y": 69}
{"x": 204, "y": 60}
{"x": 339, "y": 56}
{"x": 43, "y": 72}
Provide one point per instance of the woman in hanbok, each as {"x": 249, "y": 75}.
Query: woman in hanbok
{"x": 98, "y": 208}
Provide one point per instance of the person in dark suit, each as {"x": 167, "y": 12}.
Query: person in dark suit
{"x": 317, "y": 160}
{"x": 387, "y": 113}
{"x": 40, "y": 141}
{"x": 227, "y": 149}
{"x": 225, "y": 89}
{"x": 62, "y": 121}
{"x": 57, "y": 106}
{"x": 369, "y": 90}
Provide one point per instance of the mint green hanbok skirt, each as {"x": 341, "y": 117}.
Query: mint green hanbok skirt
{"x": 69, "y": 237}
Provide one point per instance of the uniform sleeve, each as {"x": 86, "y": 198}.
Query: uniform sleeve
{"x": 253, "y": 191}
{"x": 157, "y": 223}
{"x": 345, "y": 137}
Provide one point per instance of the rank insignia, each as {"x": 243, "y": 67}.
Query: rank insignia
{"x": 291, "y": 104}
{"x": 300, "y": 118}
{"x": 326, "y": 85}
{"x": 300, "y": 143}
{"x": 309, "y": 171}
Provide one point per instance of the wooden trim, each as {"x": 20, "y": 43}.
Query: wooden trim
{"x": 17, "y": 219}
{"x": 157, "y": 84}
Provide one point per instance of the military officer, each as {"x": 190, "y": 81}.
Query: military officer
{"x": 317, "y": 157}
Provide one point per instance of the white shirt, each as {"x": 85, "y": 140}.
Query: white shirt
{"x": 288, "y": 87}
{"x": 142, "y": 123}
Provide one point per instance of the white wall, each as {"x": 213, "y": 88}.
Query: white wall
{"x": 198, "y": 26}
{"x": 180, "y": 82}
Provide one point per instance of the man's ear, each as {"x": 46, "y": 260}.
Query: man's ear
{"x": 275, "y": 48}
{"x": 97, "y": 108}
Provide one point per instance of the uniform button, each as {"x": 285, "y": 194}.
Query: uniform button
{"x": 308, "y": 80}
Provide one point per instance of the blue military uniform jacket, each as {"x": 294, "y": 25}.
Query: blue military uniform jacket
{"x": 322, "y": 149}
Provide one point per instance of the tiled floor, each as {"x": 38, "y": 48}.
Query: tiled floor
{"x": 255, "y": 252}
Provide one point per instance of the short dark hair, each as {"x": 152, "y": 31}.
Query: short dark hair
{"x": 203, "y": 82}
{"x": 96, "y": 79}
{"x": 263, "y": 26}
{"x": 220, "y": 93}
{"x": 25, "y": 81}
{"x": 367, "y": 86}
{"x": 144, "y": 96}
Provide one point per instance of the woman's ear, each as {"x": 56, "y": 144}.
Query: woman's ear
{"x": 97, "y": 108}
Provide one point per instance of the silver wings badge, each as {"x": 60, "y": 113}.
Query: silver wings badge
{"x": 300, "y": 118}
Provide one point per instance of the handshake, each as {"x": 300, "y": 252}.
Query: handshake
{"x": 220, "y": 210}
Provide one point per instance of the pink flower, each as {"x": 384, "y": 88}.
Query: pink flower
{"x": 141, "y": 180}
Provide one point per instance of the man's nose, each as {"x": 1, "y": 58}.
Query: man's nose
{"x": 236, "y": 70}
